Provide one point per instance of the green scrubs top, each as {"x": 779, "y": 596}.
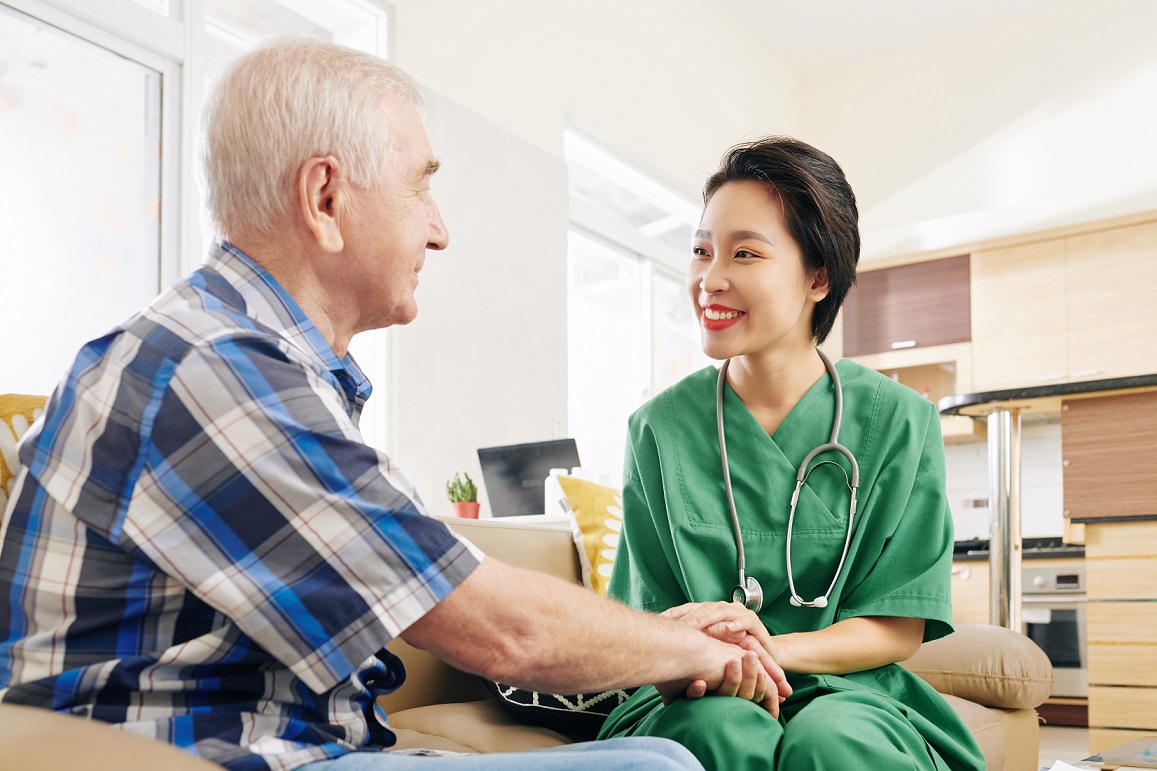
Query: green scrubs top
{"x": 677, "y": 546}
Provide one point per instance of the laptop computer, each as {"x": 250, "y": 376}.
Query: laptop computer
{"x": 514, "y": 474}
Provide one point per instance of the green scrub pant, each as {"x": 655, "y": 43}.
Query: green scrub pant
{"x": 845, "y": 730}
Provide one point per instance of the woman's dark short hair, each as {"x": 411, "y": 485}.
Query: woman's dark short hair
{"x": 818, "y": 204}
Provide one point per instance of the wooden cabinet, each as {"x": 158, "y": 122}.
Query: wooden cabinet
{"x": 1018, "y": 316}
{"x": 908, "y": 306}
{"x": 936, "y": 372}
{"x": 1064, "y": 309}
{"x": 1112, "y": 314}
{"x": 1109, "y": 444}
{"x": 971, "y": 602}
{"x": 1121, "y": 576}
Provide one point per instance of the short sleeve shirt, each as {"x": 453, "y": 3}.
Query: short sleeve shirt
{"x": 201, "y": 548}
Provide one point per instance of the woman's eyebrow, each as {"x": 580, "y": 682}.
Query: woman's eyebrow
{"x": 737, "y": 235}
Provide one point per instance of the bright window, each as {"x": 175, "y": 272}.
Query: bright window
{"x": 630, "y": 328}
{"x": 80, "y": 140}
{"x": 99, "y": 114}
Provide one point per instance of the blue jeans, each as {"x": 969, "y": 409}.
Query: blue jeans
{"x": 643, "y": 752}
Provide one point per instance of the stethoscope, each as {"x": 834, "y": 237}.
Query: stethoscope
{"x": 748, "y": 591}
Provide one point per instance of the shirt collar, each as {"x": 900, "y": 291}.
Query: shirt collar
{"x": 268, "y": 302}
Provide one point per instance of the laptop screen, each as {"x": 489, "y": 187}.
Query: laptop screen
{"x": 514, "y": 474}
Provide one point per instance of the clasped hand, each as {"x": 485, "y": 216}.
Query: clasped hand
{"x": 755, "y": 676}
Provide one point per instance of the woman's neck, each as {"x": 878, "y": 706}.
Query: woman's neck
{"x": 771, "y": 383}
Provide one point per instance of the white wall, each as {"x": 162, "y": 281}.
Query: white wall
{"x": 667, "y": 85}
{"x": 1044, "y": 120}
{"x": 484, "y": 364}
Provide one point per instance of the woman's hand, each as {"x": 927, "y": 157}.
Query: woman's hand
{"x": 727, "y": 621}
{"x": 745, "y": 676}
{"x": 731, "y": 622}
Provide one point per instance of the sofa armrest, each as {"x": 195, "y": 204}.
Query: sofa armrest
{"x": 31, "y": 737}
{"x": 989, "y": 665}
{"x": 542, "y": 545}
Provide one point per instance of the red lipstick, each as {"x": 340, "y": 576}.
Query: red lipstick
{"x": 724, "y": 317}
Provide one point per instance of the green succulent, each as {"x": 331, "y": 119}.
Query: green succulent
{"x": 461, "y": 491}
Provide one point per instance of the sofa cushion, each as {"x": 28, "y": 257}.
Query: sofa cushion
{"x": 31, "y": 737}
{"x": 17, "y": 413}
{"x": 986, "y": 726}
{"x": 990, "y": 665}
{"x": 596, "y": 517}
{"x": 477, "y": 726}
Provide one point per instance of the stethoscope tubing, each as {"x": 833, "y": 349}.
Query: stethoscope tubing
{"x": 748, "y": 587}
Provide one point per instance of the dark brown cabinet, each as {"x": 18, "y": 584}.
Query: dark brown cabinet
{"x": 908, "y": 306}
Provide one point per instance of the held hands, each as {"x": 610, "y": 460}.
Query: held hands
{"x": 755, "y": 676}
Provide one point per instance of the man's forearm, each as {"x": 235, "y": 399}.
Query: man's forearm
{"x": 532, "y": 630}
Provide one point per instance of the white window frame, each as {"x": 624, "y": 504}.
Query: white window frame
{"x": 175, "y": 46}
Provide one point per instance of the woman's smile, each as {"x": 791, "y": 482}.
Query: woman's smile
{"x": 716, "y": 317}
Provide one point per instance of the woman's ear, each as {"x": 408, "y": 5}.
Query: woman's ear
{"x": 322, "y": 196}
{"x": 819, "y": 288}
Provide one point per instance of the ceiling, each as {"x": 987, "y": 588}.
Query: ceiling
{"x": 815, "y": 35}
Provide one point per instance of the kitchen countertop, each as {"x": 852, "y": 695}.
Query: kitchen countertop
{"x": 975, "y": 550}
{"x": 981, "y": 555}
{"x": 1045, "y": 398}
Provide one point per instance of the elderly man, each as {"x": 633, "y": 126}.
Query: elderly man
{"x": 201, "y": 548}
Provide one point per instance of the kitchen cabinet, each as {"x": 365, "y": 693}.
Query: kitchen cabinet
{"x": 935, "y": 372}
{"x": 908, "y": 306}
{"x": 1122, "y": 633}
{"x": 1065, "y": 309}
{"x": 1112, "y": 317}
{"x": 1018, "y": 316}
{"x": 1108, "y": 446}
{"x": 971, "y": 602}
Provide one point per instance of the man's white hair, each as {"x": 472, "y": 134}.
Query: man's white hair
{"x": 276, "y": 107}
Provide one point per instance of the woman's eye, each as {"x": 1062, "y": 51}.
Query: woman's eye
{"x": 699, "y": 251}
{"x": 743, "y": 254}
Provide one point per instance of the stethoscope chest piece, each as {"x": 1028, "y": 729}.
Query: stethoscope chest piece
{"x": 749, "y": 593}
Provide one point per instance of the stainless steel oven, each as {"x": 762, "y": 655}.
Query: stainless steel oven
{"x": 1055, "y": 618}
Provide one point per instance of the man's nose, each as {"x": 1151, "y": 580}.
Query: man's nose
{"x": 439, "y": 237}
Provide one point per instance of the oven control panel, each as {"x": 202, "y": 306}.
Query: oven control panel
{"x": 1062, "y": 580}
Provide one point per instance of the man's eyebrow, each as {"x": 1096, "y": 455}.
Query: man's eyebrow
{"x": 736, "y": 235}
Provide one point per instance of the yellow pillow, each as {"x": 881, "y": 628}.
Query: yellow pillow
{"x": 17, "y": 413}
{"x": 596, "y": 518}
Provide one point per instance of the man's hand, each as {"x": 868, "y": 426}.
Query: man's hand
{"x": 731, "y": 622}
{"x": 743, "y": 674}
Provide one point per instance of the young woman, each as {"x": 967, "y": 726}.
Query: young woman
{"x": 843, "y": 556}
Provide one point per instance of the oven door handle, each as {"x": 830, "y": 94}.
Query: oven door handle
{"x": 1054, "y": 599}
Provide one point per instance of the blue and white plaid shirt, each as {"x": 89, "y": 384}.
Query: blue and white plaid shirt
{"x": 201, "y": 548}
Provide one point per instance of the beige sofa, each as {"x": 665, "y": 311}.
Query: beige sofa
{"x": 994, "y": 678}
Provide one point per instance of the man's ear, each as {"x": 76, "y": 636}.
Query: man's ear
{"x": 322, "y": 195}
{"x": 819, "y": 287}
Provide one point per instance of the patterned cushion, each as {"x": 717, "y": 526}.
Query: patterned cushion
{"x": 596, "y": 518}
{"x": 579, "y": 716}
{"x": 17, "y": 413}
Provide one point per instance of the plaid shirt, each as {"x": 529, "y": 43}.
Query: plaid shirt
{"x": 201, "y": 548}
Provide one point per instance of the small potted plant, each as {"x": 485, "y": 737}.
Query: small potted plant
{"x": 463, "y": 496}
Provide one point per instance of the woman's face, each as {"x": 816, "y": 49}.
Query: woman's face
{"x": 751, "y": 290}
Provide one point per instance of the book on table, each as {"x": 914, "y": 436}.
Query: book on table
{"x": 1138, "y": 754}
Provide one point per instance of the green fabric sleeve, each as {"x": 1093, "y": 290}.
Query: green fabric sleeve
{"x": 912, "y": 576}
{"x": 642, "y": 576}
